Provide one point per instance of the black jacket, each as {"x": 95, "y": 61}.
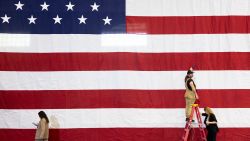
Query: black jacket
{"x": 211, "y": 127}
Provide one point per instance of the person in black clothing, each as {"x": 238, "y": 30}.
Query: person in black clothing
{"x": 211, "y": 124}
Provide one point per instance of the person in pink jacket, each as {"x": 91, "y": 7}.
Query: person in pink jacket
{"x": 42, "y": 131}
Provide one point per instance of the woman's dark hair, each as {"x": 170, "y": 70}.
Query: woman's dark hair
{"x": 186, "y": 78}
{"x": 43, "y": 115}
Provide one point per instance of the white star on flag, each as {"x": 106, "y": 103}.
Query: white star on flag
{"x": 44, "y": 6}
{"x": 19, "y": 5}
{"x": 94, "y": 7}
{"x": 106, "y": 20}
{"x": 57, "y": 19}
{"x": 82, "y": 20}
{"x": 5, "y": 19}
{"x": 32, "y": 20}
{"x": 70, "y": 6}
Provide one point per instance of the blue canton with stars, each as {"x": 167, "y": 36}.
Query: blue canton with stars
{"x": 62, "y": 16}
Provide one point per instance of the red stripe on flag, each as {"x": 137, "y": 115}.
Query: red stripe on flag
{"x": 67, "y": 99}
{"x": 122, "y": 134}
{"x": 188, "y": 24}
{"x": 123, "y": 61}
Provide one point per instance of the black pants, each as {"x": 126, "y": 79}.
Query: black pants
{"x": 211, "y": 135}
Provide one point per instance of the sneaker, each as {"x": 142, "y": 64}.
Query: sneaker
{"x": 187, "y": 119}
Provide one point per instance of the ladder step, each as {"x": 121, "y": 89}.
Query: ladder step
{"x": 188, "y": 126}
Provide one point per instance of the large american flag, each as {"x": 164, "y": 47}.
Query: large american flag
{"x": 113, "y": 70}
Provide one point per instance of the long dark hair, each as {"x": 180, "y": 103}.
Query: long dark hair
{"x": 42, "y": 114}
{"x": 187, "y": 76}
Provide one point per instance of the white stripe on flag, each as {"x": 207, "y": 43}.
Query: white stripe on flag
{"x": 186, "y": 7}
{"x": 70, "y": 80}
{"x": 125, "y": 43}
{"x": 114, "y": 117}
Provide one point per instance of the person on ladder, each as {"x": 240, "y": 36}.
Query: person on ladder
{"x": 211, "y": 124}
{"x": 191, "y": 95}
